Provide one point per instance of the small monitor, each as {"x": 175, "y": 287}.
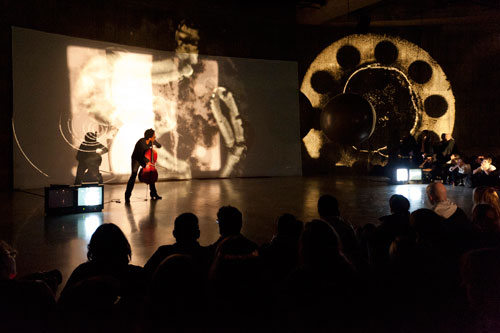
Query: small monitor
{"x": 415, "y": 174}
{"x": 402, "y": 175}
{"x": 59, "y": 199}
{"x": 90, "y": 198}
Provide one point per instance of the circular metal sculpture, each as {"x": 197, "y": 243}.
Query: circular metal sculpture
{"x": 406, "y": 87}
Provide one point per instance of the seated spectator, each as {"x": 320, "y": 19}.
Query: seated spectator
{"x": 484, "y": 175}
{"x": 281, "y": 256}
{"x": 25, "y": 305}
{"x": 107, "y": 268}
{"x": 177, "y": 295}
{"x": 235, "y": 284}
{"x": 422, "y": 281}
{"x": 456, "y": 223}
{"x": 426, "y": 167}
{"x": 322, "y": 292}
{"x": 487, "y": 219}
{"x": 438, "y": 197}
{"x": 486, "y": 195}
{"x": 391, "y": 226}
{"x": 459, "y": 172}
{"x": 230, "y": 222}
{"x": 186, "y": 232}
{"x": 328, "y": 209}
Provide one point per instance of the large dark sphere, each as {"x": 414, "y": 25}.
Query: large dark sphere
{"x": 348, "y": 119}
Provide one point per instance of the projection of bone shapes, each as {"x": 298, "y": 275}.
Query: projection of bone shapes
{"x": 408, "y": 53}
{"x": 231, "y": 130}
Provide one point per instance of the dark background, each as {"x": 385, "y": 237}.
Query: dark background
{"x": 462, "y": 36}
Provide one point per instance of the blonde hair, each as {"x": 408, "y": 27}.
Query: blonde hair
{"x": 486, "y": 195}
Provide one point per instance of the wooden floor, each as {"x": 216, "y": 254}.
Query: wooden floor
{"x": 46, "y": 243}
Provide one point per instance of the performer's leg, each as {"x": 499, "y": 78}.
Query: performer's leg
{"x": 131, "y": 180}
{"x": 152, "y": 192}
{"x": 80, "y": 171}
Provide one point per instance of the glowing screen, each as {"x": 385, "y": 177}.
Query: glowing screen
{"x": 80, "y": 106}
{"x": 90, "y": 196}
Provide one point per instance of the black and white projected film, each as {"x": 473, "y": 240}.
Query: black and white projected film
{"x": 79, "y": 100}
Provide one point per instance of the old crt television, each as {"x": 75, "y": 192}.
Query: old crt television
{"x": 59, "y": 199}
{"x": 66, "y": 199}
{"x": 90, "y": 198}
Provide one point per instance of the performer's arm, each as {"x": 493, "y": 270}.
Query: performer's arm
{"x": 156, "y": 144}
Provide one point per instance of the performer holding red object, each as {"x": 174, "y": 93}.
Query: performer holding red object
{"x": 144, "y": 156}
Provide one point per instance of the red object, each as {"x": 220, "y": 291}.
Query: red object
{"x": 149, "y": 174}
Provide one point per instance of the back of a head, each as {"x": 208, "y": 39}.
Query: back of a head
{"x": 399, "y": 204}
{"x": 436, "y": 192}
{"x": 149, "y": 133}
{"x": 90, "y": 137}
{"x": 486, "y": 217}
{"x": 186, "y": 228}
{"x": 478, "y": 193}
{"x": 288, "y": 225}
{"x": 109, "y": 244}
{"x": 487, "y": 195}
{"x": 230, "y": 221}
{"x": 318, "y": 244}
{"x": 328, "y": 206}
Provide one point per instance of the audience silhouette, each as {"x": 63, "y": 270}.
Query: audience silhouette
{"x": 431, "y": 270}
{"x": 105, "y": 291}
{"x": 186, "y": 232}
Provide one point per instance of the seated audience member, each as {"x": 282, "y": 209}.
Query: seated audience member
{"x": 230, "y": 222}
{"x": 322, "y": 292}
{"x": 444, "y": 207}
{"x": 487, "y": 219}
{"x": 422, "y": 280}
{"x": 186, "y": 232}
{"x": 446, "y": 174}
{"x": 459, "y": 171}
{"x": 480, "y": 275}
{"x": 25, "y": 305}
{"x": 328, "y": 209}
{"x": 391, "y": 226}
{"x": 476, "y": 163}
{"x": 235, "y": 284}
{"x": 456, "y": 222}
{"x": 484, "y": 175}
{"x": 177, "y": 295}
{"x": 281, "y": 256}
{"x": 426, "y": 167}
{"x": 486, "y": 195}
{"x": 108, "y": 269}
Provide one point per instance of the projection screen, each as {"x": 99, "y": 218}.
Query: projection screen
{"x": 214, "y": 116}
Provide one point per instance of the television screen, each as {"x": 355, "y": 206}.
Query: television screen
{"x": 90, "y": 196}
{"x": 60, "y": 198}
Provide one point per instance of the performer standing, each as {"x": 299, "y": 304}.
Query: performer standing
{"x": 138, "y": 159}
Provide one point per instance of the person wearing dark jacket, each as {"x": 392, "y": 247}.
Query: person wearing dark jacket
{"x": 456, "y": 223}
{"x": 89, "y": 159}
{"x": 139, "y": 159}
{"x": 186, "y": 233}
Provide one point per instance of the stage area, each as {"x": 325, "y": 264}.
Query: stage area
{"x": 46, "y": 243}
